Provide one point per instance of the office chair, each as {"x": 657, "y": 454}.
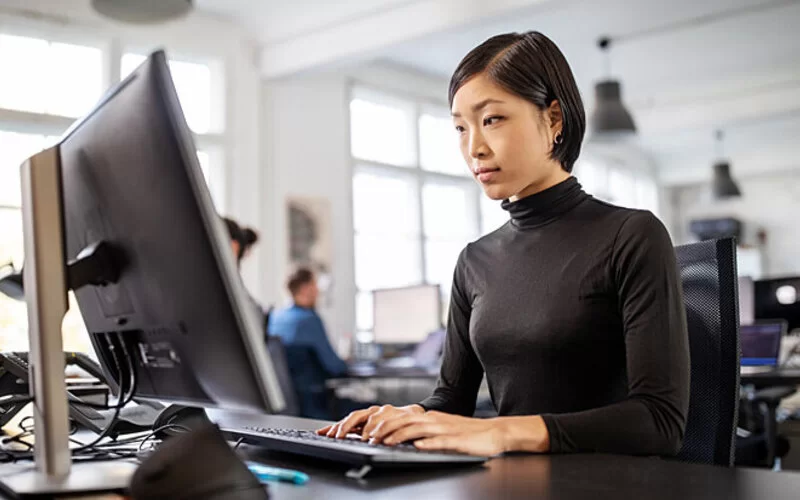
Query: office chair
{"x": 708, "y": 277}
{"x": 280, "y": 362}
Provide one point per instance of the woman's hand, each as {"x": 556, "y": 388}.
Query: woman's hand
{"x": 365, "y": 421}
{"x": 444, "y": 432}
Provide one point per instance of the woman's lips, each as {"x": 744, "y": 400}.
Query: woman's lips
{"x": 486, "y": 175}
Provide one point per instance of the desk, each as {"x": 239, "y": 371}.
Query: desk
{"x": 534, "y": 476}
{"x": 772, "y": 378}
{"x": 378, "y": 371}
{"x": 528, "y": 476}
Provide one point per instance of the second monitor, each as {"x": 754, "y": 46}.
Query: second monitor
{"x": 406, "y": 315}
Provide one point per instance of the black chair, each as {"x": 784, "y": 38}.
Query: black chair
{"x": 280, "y": 362}
{"x": 710, "y": 292}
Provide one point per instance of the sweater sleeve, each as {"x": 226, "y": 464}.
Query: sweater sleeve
{"x": 652, "y": 419}
{"x": 461, "y": 372}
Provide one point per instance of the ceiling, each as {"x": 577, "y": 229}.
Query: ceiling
{"x": 272, "y": 21}
{"x": 687, "y": 66}
{"x": 741, "y": 72}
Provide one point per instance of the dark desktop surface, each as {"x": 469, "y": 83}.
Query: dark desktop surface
{"x": 391, "y": 368}
{"x": 532, "y": 476}
{"x": 565, "y": 477}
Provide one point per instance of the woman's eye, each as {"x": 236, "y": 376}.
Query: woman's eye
{"x": 460, "y": 129}
{"x": 491, "y": 120}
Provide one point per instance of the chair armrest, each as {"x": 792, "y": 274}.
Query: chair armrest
{"x": 772, "y": 395}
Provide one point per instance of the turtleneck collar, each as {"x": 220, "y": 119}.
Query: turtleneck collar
{"x": 545, "y": 206}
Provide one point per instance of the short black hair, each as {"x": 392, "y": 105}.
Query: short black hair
{"x": 249, "y": 237}
{"x": 301, "y": 276}
{"x": 234, "y": 229}
{"x": 237, "y": 234}
{"x": 531, "y": 66}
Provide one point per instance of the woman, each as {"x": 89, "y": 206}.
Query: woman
{"x": 572, "y": 309}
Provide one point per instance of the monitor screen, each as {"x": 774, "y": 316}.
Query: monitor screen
{"x": 746, "y": 301}
{"x": 406, "y": 315}
{"x": 761, "y": 343}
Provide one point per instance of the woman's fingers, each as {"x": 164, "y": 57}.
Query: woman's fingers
{"x": 352, "y": 421}
{"x": 381, "y": 415}
{"x": 324, "y": 430}
{"x": 443, "y": 443}
{"x": 387, "y": 427}
{"x": 417, "y": 431}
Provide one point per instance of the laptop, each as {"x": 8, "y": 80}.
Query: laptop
{"x": 761, "y": 345}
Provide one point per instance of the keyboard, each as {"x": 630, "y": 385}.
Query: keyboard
{"x": 351, "y": 450}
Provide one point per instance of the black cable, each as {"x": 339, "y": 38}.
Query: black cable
{"x": 131, "y": 375}
{"x": 78, "y": 401}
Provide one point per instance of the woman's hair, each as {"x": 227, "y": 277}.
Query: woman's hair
{"x": 234, "y": 230}
{"x": 244, "y": 236}
{"x": 249, "y": 237}
{"x": 532, "y": 67}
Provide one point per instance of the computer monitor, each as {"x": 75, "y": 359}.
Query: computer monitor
{"x": 746, "y": 300}
{"x": 406, "y": 315}
{"x": 123, "y": 197}
{"x": 778, "y": 298}
{"x": 761, "y": 343}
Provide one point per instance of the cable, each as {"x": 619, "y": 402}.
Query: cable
{"x": 122, "y": 400}
{"x": 76, "y": 400}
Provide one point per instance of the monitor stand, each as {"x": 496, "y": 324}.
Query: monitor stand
{"x": 46, "y": 284}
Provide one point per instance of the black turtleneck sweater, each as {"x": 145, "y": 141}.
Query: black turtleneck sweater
{"x": 573, "y": 310}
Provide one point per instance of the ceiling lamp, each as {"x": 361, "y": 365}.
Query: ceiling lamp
{"x": 610, "y": 115}
{"x": 11, "y": 282}
{"x": 142, "y": 11}
{"x": 722, "y": 185}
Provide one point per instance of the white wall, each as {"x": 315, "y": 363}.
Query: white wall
{"x": 769, "y": 201}
{"x": 306, "y": 152}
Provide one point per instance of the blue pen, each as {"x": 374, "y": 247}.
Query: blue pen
{"x": 265, "y": 473}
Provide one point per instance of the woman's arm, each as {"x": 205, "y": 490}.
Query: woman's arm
{"x": 461, "y": 373}
{"x": 651, "y": 421}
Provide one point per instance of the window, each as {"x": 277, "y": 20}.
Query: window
{"x": 618, "y": 185}
{"x": 40, "y": 76}
{"x": 438, "y": 145}
{"x": 382, "y": 130}
{"x": 45, "y": 84}
{"x": 415, "y": 205}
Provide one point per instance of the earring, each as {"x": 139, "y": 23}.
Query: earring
{"x": 559, "y": 138}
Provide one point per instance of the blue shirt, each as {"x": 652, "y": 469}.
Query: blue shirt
{"x": 310, "y": 356}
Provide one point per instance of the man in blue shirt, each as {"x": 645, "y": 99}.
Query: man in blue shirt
{"x": 309, "y": 353}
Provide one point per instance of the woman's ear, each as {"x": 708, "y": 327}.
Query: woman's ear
{"x": 555, "y": 118}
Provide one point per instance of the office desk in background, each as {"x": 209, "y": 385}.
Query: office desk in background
{"x": 533, "y": 476}
{"x": 364, "y": 371}
{"x": 781, "y": 377}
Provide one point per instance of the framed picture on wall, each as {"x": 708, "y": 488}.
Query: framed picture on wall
{"x": 310, "y": 239}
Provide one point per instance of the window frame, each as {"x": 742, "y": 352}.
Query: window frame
{"x": 216, "y": 142}
{"x": 414, "y": 172}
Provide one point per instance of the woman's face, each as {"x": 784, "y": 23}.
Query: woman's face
{"x": 506, "y": 140}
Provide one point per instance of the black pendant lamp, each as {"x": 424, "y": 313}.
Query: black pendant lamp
{"x": 722, "y": 185}
{"x": 610, "y": 115}
{"x": 11, "y": 282}
{"x": 143, "y": 11}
